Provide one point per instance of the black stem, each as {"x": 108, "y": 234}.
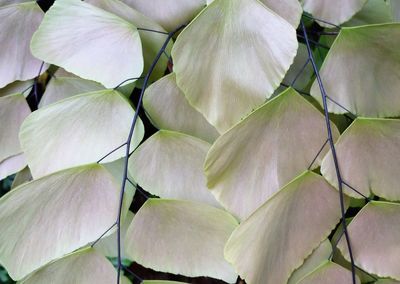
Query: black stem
{"x": 317, "y": 44}
{"x": 300, "y": 72}
{"x": 128, "y": 144}
{"x": 112, "y": 151}
{"x": 322, "y": 21}
{"x": 130, "y": 79}
{"x": 102, "y": 235}
{"x": 341, "y": 106}
{"x": 319, "y": 152}
{"x": 153, "y": 31}
{"x": 333, "y": 151}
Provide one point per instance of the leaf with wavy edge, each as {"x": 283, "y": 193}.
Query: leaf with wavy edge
{"x": 335, "y": 12}
{"x": 269, "y": 245}
{"x": 70, "y": 30}
{"x": 56, "y": 215}
{"x": 18, "y": 22}
{"x": 84, "y": 267}
{"x": 181, "y": 237}
{"x": 177, "y": 161}
{"x": 13, "y": 110}
{"x": 242, "y": 64}
{"x": 151, "y": 41}
{"x": 78, "y": 130}
{"x": 376, "y": 251}
{"x": 368, "y": 153}
{"x": 64, "y": 87}
{"x": 355, "y": 51}
{"x": 168, "y": 13}
{"x": 318, "y": 256}
{"x": 254, "y": 159}
{"x": 167, "y": 107}
{"x": 329, "y": 273}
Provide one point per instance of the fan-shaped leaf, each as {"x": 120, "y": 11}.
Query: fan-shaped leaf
{"x": 18, "y": 22}
{"x": 373, "y": 12}
{"x": 329, "y": 273}
{"x": 354, "y": 51}
{"x": 335, "y": 12}
{"x": 83, "y": 267}
{"x": 78, "y": 130}
{"x": 64, "y": 87}
{"x": 70, "y": 33}
{"x": 56, "y": 215}
{"x": 259, "y": 155}
{"x": 168, "y": 109}
{"x": 375, "y": 232}
{"x": 181, "y": 237}
{"x": 242, "y": 64}
{"x": 274, "y": 241}
{"x": 368, "y": 154}
{"x": 173, "y": 167}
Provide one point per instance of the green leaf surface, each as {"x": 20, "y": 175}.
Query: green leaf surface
{"x": 167, "y": 107}
{"x": 274, "y": 241}
{"x": 173, "y": 167}
{"x": 181, "y": 237}
{"x": 241, "y": 63}
{"x": 56, "y": 215}
{"x": 70, "y": 32}
{"x": 368, "y": 153}
{"x": 78, "y": 130}
{"x": 267, "y": 149}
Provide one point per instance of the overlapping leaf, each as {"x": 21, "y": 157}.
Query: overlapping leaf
{"x": 18, "y": 22}
{"x": 362, "y": 71}
{"x": 368, "y": 154}
{"x": 168, "y": 109}
{"x": 78, "y": 130}
{"x": 241, "y": 63}
{"x": 376, "y": 231}
{"x": 181, "y": 237}
{"x": 274, "y": 241}
{"x": 55, "y": 215}
{"x": 329, "y": 273}
{"x": 173, "y": 167}
{"x": 83, "y": 267}
{"x": 274, "y": 144}
{"x": 11, "y": 165}
{"x": 89, "y": 42}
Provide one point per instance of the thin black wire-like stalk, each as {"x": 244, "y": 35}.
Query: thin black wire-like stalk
{"x": 322, "y": 21}
{"x": 103, "y": 234}
{"x": 319, "y": 152}
{"x": 112, "y": 151}
{"x": 315, "y": 43}
{"x": 297, "y": 90}
{"x": 128, "y": 144}
{"x": 300, "y": 72}
{"x": 152, "y": 31}
{"x": 339, "y": 105}
{"x": 35, "y": 84}
{"x": 127, "y": 80}
{"x": 333, "y": 151}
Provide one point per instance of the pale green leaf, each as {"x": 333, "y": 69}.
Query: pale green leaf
{"x": 11, "y": 165}
{"x": 13, "y": 110}
{"x": 60, "y": 88}
{"x": 89, "y": 42}
{"x": 181, "y": 237}
{"x": 168, "y": 109}
{"x": 56, "y": 215}
{"x": 18, "y": 22}
{"x": 373, "y": 12}
{"x": 329, "y": 273}
{"x": 387, "y": 281}
{"x": 21, "y": 177}
{"x": 375, "y": 233}
{"x": 318, "y": 256}
{"x": 368, "y": 153}
{"x": 245, "y": 50}
{"x": 168, "y": 13}
{"x": 297, "y": 73}
{"x": 361, "y": 71}
{"x": 267, "y": 149}
{"x": 17, "y": 87}
{"x": 78, "y": 130}
{"x": 173, "y": 167}
{"x": 335, "y": 12}
{"x": 274, "y": 241}
{"x": 82, "y": 267}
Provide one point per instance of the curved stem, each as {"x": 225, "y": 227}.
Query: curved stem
{"x": 333, "y": 151}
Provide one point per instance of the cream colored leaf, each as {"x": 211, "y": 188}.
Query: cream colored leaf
{"x": 173, "y": 167}
{"x": 274, "y": 241}
{"x": 89, "y": 42}
{"x": 241, "y": 63}
{"x": 78, "y": 130}
{"x": 84, "y": 267}
{"x": 267, "y": 149}
{"x": 329, "y": 273}
{"x": 361, "y": 71}
{"x": 368, "y": 154}
{"x": 11, "y": 165}
{"x": 168, "y": 109}
{"x": 56, "y": 215}
{"x": 18, "y": 22}
{"x": 181, "y": 237}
